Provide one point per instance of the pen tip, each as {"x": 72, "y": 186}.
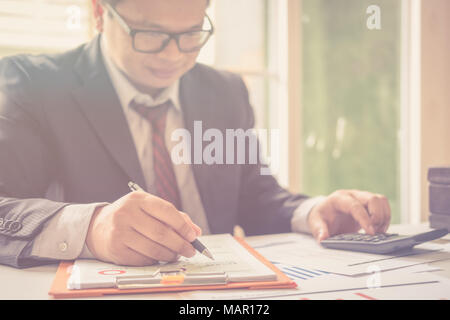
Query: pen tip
{"x": 208, "y": 254}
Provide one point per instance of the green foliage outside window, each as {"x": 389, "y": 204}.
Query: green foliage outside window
{"x": 351, "y": 98}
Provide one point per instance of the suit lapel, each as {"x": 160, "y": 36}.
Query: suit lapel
{"x": 99, "y": 103}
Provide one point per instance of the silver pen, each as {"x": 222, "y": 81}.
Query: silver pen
{"x": 200, "y": 247}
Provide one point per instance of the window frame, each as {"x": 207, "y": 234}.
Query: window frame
{"x": 410, "y": 114}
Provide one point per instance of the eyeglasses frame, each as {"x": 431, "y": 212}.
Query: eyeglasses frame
{"x": 172, "y": 35}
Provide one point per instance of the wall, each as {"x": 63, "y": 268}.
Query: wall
{"x": 435, "y": 90}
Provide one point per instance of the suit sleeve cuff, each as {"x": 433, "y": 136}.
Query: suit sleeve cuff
{"x": 299, "y": 221}
{"x": 63, "y": 237}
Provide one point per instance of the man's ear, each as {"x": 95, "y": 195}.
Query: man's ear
{"x": 98, "y": 14}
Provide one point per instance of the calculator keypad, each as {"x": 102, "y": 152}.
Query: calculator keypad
{"x": 364, "y": 237}
{"x": 383, "y": 243}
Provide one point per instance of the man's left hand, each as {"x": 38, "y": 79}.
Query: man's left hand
{"x": 347, "y": 211}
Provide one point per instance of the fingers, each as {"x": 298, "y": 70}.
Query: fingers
{"x": 166, "y": 231}
{"x": 148, "y": 248}
{"x": 347, "y": 204}
{"x": 165, "y": 212}
{"x": 197, "y": 229}
{"x": 129, "y": 257}
{"x": 140, "y": 229}
{"x": 159, "y": 236}
{"x": 318, "y": 226}
{"x": 387, "y": 212}
{"x": 347, "y": 211}
{"x": 378, "y": 208}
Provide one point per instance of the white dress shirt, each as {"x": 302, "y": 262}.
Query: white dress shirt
{"x": 63, "y": 236}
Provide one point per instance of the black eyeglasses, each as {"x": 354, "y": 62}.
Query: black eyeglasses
{"x": 148, "y": 41}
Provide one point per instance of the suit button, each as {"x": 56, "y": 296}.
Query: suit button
{"x": 63, "y": 246}
{"x": 7, "y": 225}
{"x": 15, "y": 226}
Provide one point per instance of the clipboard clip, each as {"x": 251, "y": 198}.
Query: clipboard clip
{"x": 171, "y": 278}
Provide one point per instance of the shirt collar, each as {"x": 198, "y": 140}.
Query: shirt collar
{"x": 127, "y": 92}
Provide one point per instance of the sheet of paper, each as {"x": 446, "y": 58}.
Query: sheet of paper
{"x": 326, "y": 283}
{"x": 433, "y": 291}
{"x": 439, "y": 290}
{"x": 230, "y": 257}
{"x": 303, "y": 250}
{"x": 298, "y": 274}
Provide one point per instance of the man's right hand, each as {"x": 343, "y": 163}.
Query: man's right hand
{"x": 140, "y": 229}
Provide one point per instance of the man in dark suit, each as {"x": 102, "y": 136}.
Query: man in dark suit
{"x": 87, "y": 121}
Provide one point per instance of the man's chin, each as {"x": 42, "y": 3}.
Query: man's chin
{"x": 154, "y": 87}
{"x": 160, "y": 83}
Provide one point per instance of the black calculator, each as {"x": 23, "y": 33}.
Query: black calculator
{"x": 382, "y": 243}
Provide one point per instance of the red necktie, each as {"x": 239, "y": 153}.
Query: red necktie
{"x": 165, "y": 181}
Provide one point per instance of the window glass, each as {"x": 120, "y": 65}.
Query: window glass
{"x": 351, "y": 97}
{"x": 37, "y": 26}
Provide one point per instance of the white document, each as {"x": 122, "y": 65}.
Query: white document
{"x": 300, "y": 274}
{"x": 428, "y": 291}
{"x": 439, "y": 290}
{"x": 303, "y": 250}
{"x": 230, "y": 257}
{"x": 331, "y": 284}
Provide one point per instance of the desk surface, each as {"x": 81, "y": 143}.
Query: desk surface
{"x": 34, "y": 283}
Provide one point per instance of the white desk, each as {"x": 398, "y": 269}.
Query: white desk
{"x": 34, "y": 283}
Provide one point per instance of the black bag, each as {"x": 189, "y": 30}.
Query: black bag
{"x": 439, "y": 192}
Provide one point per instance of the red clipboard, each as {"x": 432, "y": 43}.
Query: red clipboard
{"x": 59, "y": 289}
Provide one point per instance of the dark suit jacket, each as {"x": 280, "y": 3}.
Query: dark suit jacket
{"x": 61, "y": 122}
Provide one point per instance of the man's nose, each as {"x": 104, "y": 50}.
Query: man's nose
{"x": 171, "y": 51}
